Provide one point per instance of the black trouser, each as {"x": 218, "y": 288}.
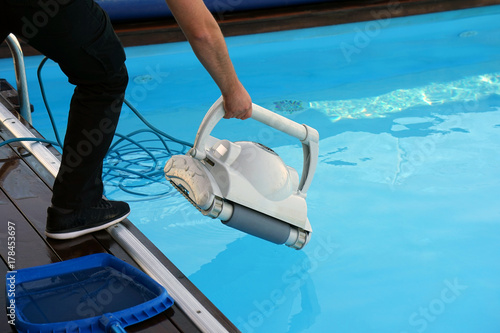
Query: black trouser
{"x": 77, "y": 34}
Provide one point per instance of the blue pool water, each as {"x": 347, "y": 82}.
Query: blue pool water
{"x": 405, "y": 202}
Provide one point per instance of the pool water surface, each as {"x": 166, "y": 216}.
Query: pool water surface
{"x": 405, "y": 202}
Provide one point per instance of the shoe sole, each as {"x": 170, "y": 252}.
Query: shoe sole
{"x": 78, "y": 233}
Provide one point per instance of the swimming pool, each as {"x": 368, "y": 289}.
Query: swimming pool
{"x": 405, "y": 202}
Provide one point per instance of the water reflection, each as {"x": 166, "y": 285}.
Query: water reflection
{"x": 465, "y": 90}
{"x": 274, "y": 284}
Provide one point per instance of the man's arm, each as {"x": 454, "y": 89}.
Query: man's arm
{"x": 207, "y": 41}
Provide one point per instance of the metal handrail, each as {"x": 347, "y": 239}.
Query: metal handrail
{"x": 22, "y": 84}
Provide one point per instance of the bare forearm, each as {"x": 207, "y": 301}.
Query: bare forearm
{"x": 207, "y": 41}
{"x": 211, "y": 50}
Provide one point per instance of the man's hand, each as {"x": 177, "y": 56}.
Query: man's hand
{"x": 238, "y": 104}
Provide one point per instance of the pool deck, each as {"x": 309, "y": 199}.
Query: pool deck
{"x": 292, "y": 17}
{"x": 25, "y": 192}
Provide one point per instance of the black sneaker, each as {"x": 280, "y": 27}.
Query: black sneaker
{"x": 75, "y": 223}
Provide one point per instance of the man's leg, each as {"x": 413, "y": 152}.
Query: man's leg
{"x": 78, "y": 35}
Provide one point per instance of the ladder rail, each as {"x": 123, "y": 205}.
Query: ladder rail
{"x": 21, "y": 81}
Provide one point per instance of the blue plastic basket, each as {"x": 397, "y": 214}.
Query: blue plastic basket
{"x": 95, "y": 293}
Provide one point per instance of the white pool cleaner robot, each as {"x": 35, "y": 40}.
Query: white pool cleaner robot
{"x": 245, "y": 184}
